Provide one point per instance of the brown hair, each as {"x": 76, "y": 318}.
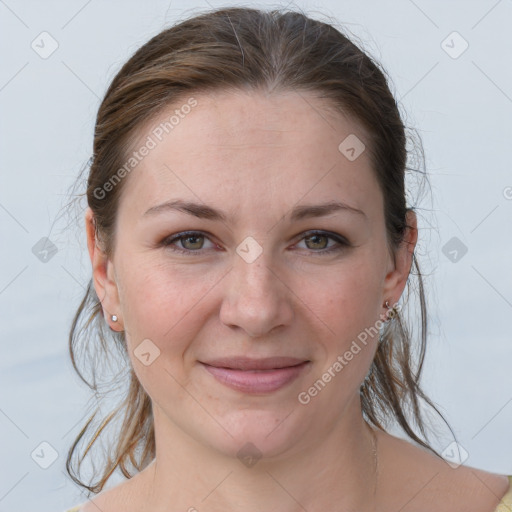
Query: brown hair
{"x": 246, "y": 48}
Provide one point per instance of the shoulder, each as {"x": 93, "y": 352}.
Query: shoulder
{"x": 124, "y": 497}
{"x": 424, "y": 481}
{"x": 106, "y": 501}
{"x": 483, "y": 490}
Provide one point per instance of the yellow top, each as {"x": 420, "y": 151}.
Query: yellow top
{"x": 505, "y": 504}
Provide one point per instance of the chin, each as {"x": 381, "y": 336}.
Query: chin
{"x": 259, "y": 433}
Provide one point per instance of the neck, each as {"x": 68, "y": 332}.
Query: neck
{"x": 338, "y": 467}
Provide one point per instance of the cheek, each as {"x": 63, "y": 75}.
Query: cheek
{"x": 350, "y": 307}
{"x": 352, "y": 297}
{"x": 161, "y": 304}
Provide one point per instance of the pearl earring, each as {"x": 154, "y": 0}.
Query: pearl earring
{"x": 114, "y": 318}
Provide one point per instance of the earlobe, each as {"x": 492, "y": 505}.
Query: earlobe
{"x": 102, "y": 275}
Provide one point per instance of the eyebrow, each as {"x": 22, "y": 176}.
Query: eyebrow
{"x": 203, "y": 211}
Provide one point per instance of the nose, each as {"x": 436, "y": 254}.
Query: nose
{"x": 256, "y": 298}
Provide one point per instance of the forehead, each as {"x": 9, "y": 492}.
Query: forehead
{"x": 243, "y": 149}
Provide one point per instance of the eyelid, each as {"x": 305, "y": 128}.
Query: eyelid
{"x": 168, "y": 242}
{"x": 341, "y": 241}
{"x": 330, "y": 234}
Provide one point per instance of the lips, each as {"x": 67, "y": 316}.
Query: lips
{"x": 256, "y": 376}
{"x": 246, "y": 363}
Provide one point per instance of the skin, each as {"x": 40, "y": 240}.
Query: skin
{"x": 291, "y": 300}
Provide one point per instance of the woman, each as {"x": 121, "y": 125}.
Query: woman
{"x": 250, "y": 241}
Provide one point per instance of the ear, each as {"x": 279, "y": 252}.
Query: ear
{"x": 400, "y": 266}
{"x": 103, "y": 275}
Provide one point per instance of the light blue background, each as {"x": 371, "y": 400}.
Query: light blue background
{"x": 462, "y": 108}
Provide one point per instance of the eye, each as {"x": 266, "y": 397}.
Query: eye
{"x": 191, "y": 241}
{"x": 317, "y": 241}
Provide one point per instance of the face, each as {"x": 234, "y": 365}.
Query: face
{"x": 246, "y": 264}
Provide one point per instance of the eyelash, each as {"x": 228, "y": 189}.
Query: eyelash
{"x": 342, "y": 243}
